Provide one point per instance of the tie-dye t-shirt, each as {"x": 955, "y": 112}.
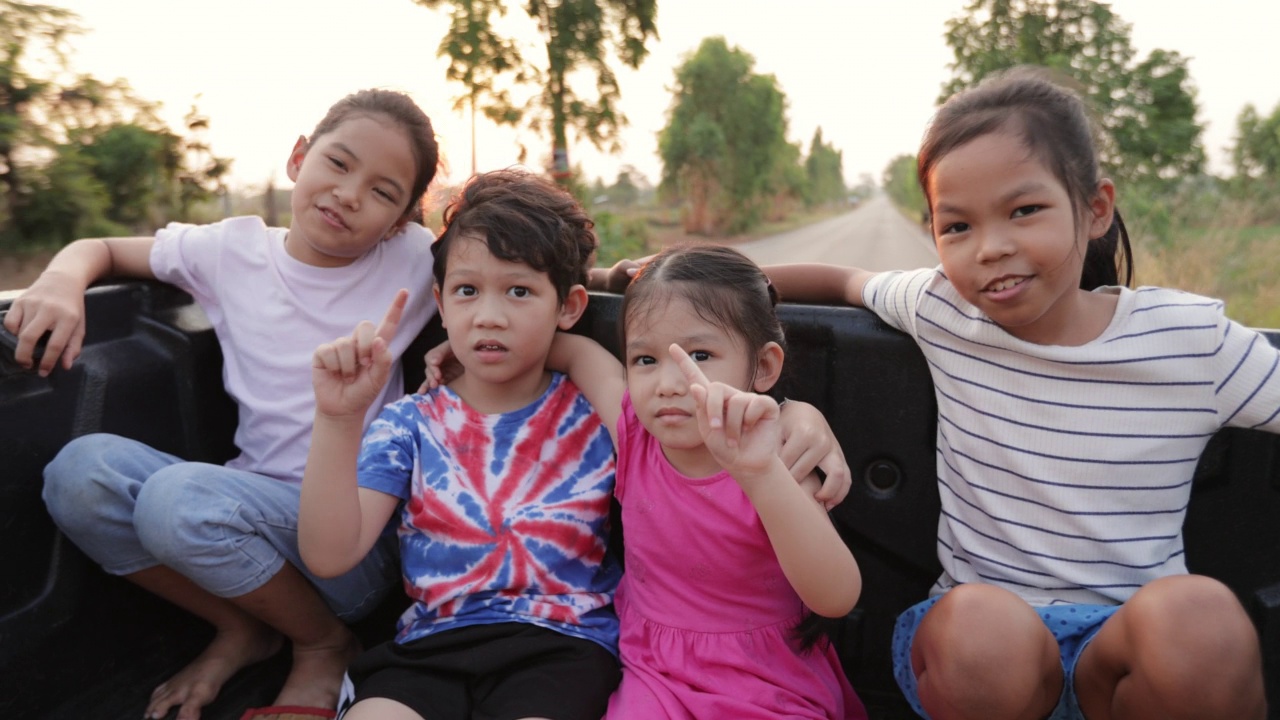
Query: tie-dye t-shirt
{"x": 506, "y": 516}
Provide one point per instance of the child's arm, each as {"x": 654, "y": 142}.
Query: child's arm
{"x": 595, "y": 371}
{"x": 813, "y": 282}
{"x": 615, "y": 279}
{"x": 54, "y": 303}
{"x": 338, "y": 521}
{"x": 741, "y": 431}
{"x": 808, "y": 444}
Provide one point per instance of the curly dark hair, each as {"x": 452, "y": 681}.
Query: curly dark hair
{"x": 522, "y": 218}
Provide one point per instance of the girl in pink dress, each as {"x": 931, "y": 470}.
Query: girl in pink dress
{"x": 725, "y": 552}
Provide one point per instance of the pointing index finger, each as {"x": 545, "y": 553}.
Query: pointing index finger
{"x": 387, "y": 328}
{"x": 692, "y": 373}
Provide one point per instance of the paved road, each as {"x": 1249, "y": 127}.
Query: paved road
{"x": 875, "y": 236}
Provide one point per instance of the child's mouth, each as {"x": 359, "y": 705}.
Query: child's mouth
{"x": 1004, "y": 284}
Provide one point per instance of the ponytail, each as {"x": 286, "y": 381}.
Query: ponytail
{"x": 1107, "y": 256}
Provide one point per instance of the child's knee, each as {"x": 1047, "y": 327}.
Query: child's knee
{"x": 1185, "y": 604}
{"x": 984, "y": 640}
{"x": 177, "y": 516}
{"x": 77, "y": 488}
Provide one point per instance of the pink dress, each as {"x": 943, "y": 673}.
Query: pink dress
{"x": 707, "y": 615}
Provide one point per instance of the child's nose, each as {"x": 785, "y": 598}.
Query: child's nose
{"x": 347, "y": 195}
{"x": 995, "y": 244}
{"x": 489, "y": 312}
{"x": 670, "y": 379}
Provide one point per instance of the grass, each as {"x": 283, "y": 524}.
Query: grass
{"x": 1226, "y": 259}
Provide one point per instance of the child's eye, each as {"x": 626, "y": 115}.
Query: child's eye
{"x": 1026, "y": 210}
{"x": 385, "y": 195}
{"x": 954, "y": 228}
{"x": 700, "y": 355}
{"x": 465, "y": 290}
{"x": 519, "y": 291}
{"x": 642, "y": 360}
{"x": 337, "y": 163}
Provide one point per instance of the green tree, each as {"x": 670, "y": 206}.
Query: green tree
{"x": 1256, "y": 153}
{"x": 79, "y": 155}
{"x": 26, "y": 28}
{"x": 903, "y": 186}
{"x": 825, "y": 170}
{"x": 1146, "y": 111}
{"x": 724, "y": 148}
{"x": 579, "y": 36}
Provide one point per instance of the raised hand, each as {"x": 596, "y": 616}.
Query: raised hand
{"x": 349, "y": 373}
{"x": 739, "y": 428}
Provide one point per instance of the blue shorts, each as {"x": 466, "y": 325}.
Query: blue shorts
{"x": 1073, "y": 626}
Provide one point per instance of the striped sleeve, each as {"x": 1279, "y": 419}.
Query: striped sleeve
{"x": 1247, "y": 392}
{"x": 895, "y": 295}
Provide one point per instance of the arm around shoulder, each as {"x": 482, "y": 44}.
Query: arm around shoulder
{"x": 595, "y": 371}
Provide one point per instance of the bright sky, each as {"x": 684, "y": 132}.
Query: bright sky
{"x": 867, "y": 72}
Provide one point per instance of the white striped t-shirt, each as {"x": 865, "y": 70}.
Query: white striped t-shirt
{"x": 1064, "y": 472}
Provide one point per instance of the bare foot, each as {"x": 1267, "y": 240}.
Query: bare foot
{"x": 197, "y": 684}
{"x": 316, "y": 676}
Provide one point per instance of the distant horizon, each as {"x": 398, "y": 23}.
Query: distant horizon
{"x": 867, "y": 74}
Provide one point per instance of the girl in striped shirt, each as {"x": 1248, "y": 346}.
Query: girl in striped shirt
{"x": 1072, "y": 412}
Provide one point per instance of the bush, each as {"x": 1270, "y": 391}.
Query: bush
{"x": 620, "y": 238}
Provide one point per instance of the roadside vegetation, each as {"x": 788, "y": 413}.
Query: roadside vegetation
{"x": 80, "y": 156}
{"x": 1217, "y": 236}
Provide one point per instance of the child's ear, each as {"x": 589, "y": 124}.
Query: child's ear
{"x": 1102, "y": 209}
{"x": 435, "y": 293}
{"x": 398, "y": 226}
{"x": 295, "y": 158}
{"x": 768, "y": 367}
{"x": 575, "y": 303}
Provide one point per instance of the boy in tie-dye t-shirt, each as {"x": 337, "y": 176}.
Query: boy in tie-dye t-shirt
{"x": 501, "y": 480}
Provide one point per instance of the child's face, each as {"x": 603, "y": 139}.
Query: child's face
{"x": 501, "y": 317}
{"x": 351, "y": 187}
{"x": 1010, "y": 241}
{"x": 658, "y": 389}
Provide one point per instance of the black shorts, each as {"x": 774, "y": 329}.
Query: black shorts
{"x": 498, "y": 672}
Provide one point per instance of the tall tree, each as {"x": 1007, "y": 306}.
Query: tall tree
{"x": 578, "y": 36}
{"x": 26, "y": 28}
{"x": 82, "y": 156}
{"x": 902, "y": 185}
{"x": 1256, "y": 153}
{"x": 724, "y": 147}
{"x": 825, "y": 170}
{"x": 1147, "y": 111}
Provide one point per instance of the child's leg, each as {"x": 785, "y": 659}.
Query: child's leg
{"x": 1181, "y": 647}
{"x": 380, "y": 709}
{"x": 234, "y": 534}
{"x": 90, "y": 490}
{"x": 240, "y": 640}
{"x": 980, "y": 652}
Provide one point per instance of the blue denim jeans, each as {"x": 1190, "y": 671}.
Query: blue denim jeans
{"x": 130, "y": 507}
